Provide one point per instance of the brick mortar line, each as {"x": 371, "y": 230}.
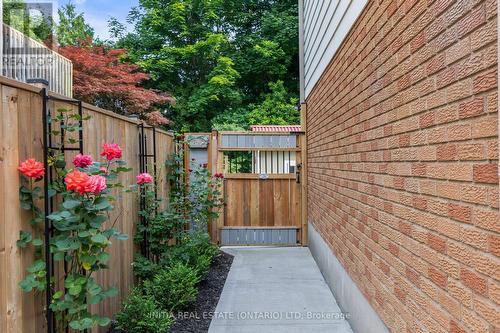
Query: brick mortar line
{"x": 480, "y": 140}
{"x": 394, "y": 80}
{"x": 432, "y": 214}
{"x": 457, "y": 222}
{"x": 381, "y": 235}
{"x": 452, "y": 181}
{"x": 442, "y": 14}
{"x": 457, "y": 121}
{"x": 404, "y": 277}
{"x": 324, "y": 129}
{"x": 329, "y": 71}
{"x": 445, "y": 291}
{"x": 463, "y": 121}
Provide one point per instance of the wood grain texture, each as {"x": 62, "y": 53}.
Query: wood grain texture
{"x": 261, "y": 203}
{"x": 21, "y": 138}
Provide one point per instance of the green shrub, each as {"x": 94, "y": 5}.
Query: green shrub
{"x": 144, "y": 269}
{"x": 196, "y": 251}
{"x": 202, "y": 265}
{"x": 173, "y": 288}
{"x": 140, "y": 315}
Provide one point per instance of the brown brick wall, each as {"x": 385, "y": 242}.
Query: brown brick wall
{"x": 403, "y": 163}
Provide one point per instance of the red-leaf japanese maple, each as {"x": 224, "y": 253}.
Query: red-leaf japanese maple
{"x": 100, "y": 78}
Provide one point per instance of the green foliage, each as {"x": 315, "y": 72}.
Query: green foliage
{"x": 176, "y": 259}
{"x": 144, "y": 269}
{"x": 196, "y": 250}
{"x": 79, "y": 236}
{"x": 72, "y": 28}
{"x": 160, "y": 226}
{"x": 167, "y": 240}
{"x": 275, "y": 109}
{"x": 216, "y": 58}
{"x": 203, "y": 200}
{"x": 140, "y": 315}
{"x": 173, "y": 288}
{"x": 16, "y": 14}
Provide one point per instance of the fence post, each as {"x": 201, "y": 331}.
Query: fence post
{"x": 213, "y": 158}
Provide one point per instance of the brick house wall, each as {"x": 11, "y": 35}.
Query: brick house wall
{"x": 402, "y": 138}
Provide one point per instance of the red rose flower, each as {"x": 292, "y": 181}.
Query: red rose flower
{"x": 219, "y": 175}
{"x": 31, "y": 168}
{"x": 111, "y": 151}
{"x": 77, "y": 181}
{"x": 82, "y": 161}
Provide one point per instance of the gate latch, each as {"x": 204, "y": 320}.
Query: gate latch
{"x": 297, "y": 173}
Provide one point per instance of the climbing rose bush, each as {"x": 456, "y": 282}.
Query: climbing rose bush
{"x": 80, "y": 237}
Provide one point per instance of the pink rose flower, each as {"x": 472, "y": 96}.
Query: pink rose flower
{"x": 82, "y": 161}
{"x": 144, "y": 178}
{"x": 95, "y": 184}
{"x": 111, "y": 151}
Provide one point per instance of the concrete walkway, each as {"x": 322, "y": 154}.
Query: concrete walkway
{"x": 274, "y": 290}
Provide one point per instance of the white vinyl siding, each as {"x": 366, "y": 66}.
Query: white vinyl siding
{"x": 326, "y": 24}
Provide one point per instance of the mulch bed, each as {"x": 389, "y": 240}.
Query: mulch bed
{"x": 196, "y": 319}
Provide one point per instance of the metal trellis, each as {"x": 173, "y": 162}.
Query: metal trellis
{"x": 49, "y": 204}
{"x": 143, "y": 167}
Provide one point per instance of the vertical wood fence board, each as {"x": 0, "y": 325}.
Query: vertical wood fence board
{"x": 254, "y": 204}
{"x": 3, "y": 231}
{"x": 11, "y": 213}
{"x": 29, "y": 134}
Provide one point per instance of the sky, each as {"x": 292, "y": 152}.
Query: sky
{"x": 97, "y": 12}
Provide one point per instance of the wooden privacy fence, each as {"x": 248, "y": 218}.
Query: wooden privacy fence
{"x": 263, "y": 185}
{"x": 21, "y": 136}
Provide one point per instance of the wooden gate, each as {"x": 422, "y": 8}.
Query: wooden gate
{"x": 263, "y": 186}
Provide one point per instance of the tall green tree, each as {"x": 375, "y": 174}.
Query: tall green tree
{"x": 72, "y": 29}
{"x": 275, "y": 109}
{"x": 35, "y": 24}
{"x": 216, "y": 57}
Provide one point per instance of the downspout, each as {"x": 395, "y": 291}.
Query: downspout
{"x": 303, "y": 125}
{"x": 301, "y": 52}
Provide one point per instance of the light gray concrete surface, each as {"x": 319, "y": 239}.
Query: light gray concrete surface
{"x": 273, "y": 290}
{"x": 363, "y": 317}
